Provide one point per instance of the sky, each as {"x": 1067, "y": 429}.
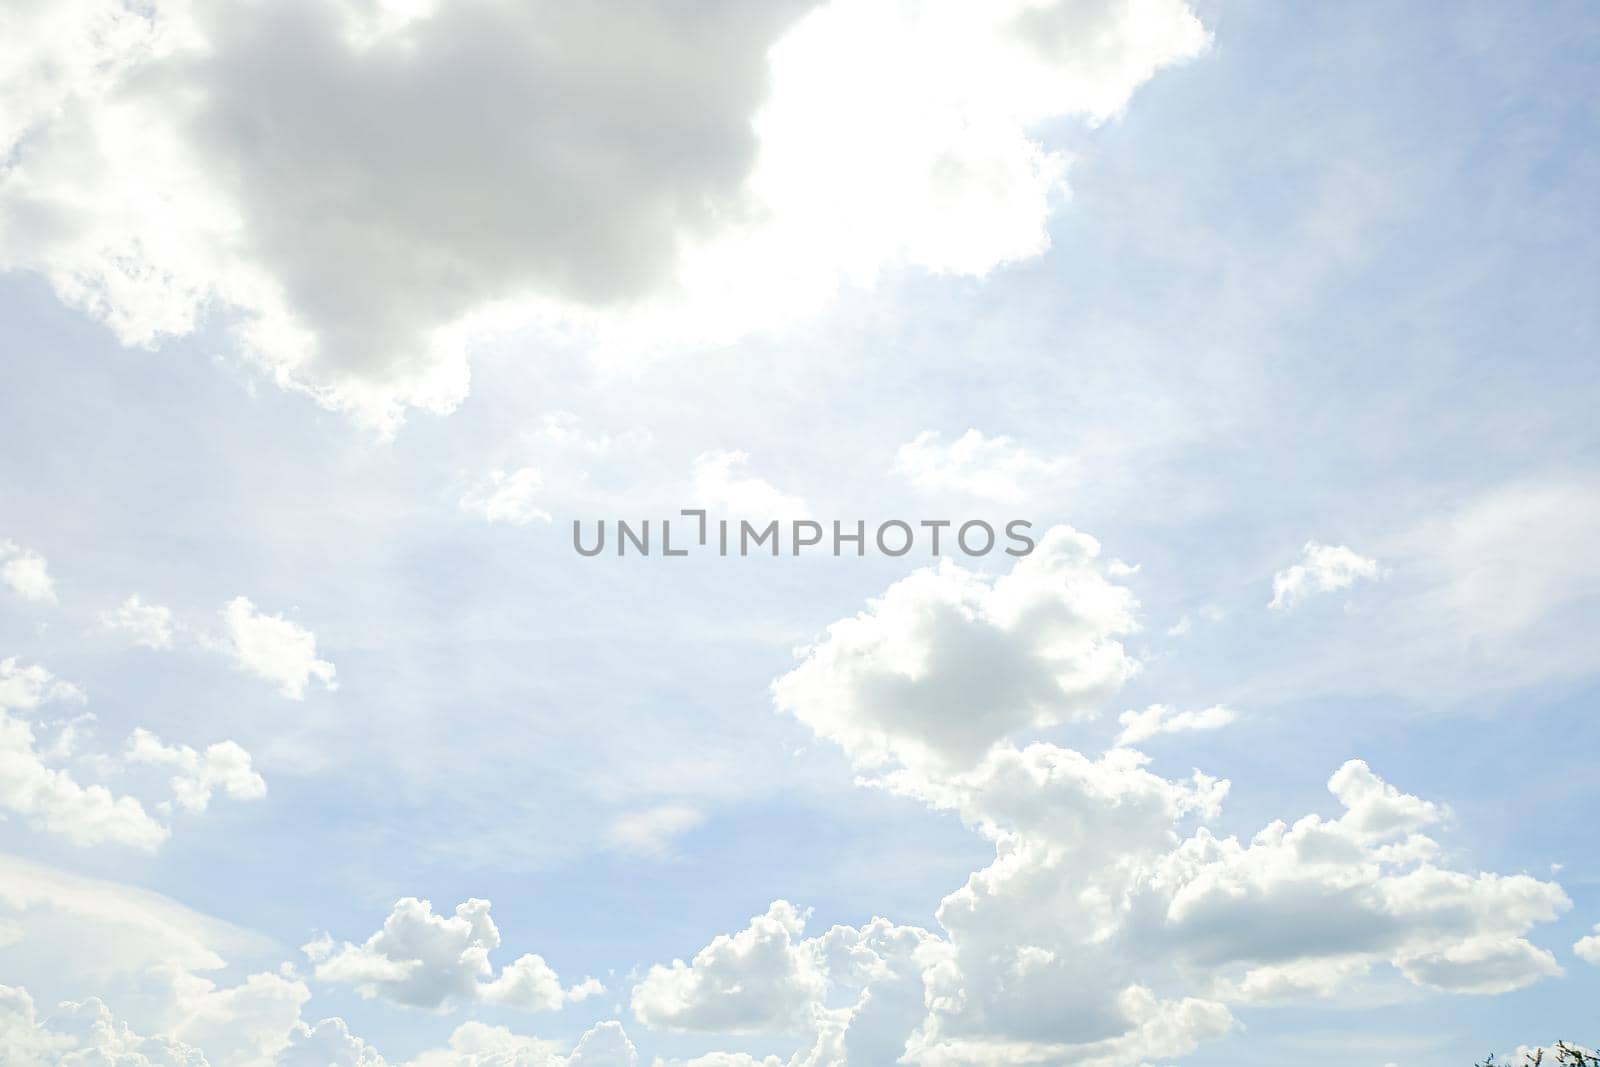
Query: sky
{"x": 321, "y": 324}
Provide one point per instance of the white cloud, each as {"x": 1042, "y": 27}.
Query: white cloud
{"x": 989, "y": 468}
{"x": 652, "y": 831}
{"x": 328, "y": 1043}
{"x": 140, "y": 953}
{"x": 268, "y": 646}
{"x": 242, "y": 1025}
{"x": 364, "y": 235}
{"x": 502, "y": 497}
{"x": 148, "y": 625}
{"x": 275, "y": 648}
{"x": 49, "y": 797}
{"x": 1114, "y": 926}
{"x": 476, "y": 1044}
{"x": 1588, "y": 948}
{"x": 1140, "y": 726}
{"x": 432, "y": 961}
{"x": 722, "y": 486}
{"x": 87, "y": 928}
{"x": 1483, "y": 595}
{"x": 263, "y": 1010}
{"x": 54, "y": 801}
{"x": 947, "y": 662}
{"x": 79, "y": 1033}
{"x": 26, "y": 572}
{"x": 757, "y": 980}
{"x": 146, "y": 955}
{"x": 224, "y": 766}
{"x": 1322, "y": 569}
{"x": 24, "y": 687}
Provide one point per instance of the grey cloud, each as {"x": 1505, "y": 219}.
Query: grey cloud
{"x": 480, "y": 151}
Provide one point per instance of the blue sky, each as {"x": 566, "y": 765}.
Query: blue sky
{"x": 1323, "y": 275}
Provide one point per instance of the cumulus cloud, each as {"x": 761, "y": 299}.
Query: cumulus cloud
{"x": 1322, "y": 569}
{"x": 1140, "y": 726}
{"x": 328, "y": 1043}
{"x": 149, "y": 957}
{"x": 49, "y": 797}
{"x": 947, "y": 662}
{"x": 752, "y": 981}
{"x": 1097, "y": 898}
{"x": 264, "y": 1009}
{"x": 652, "y": 831}
{"x": 511, "y": 498}
{"x": 223, "y": 766}
{"x": 242, "y": 1025}
{"x": 721, "y": 483}
{"x": 1114, "y": 926}
{"x": 988, "y": 468}
{"x": 1588, "y": 948}
{"x": 274, "y": 648}
{"x": 80, "y": 1033}
{"x": 148, "y": 625}
{"x": 430, "y": 961}
{"x": 33, "y": 785}
{"x": 854, "y": 992}
{"x": 685, "y": 173}
{"x": 26, "y": 572}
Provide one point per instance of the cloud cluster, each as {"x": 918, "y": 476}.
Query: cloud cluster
{"x": 331, "y": 177}
{"x": 151, "y": 958}
{"x": 1114, "y": 926}
{"x": 50, "y": 797}
{"x": 222, "y": 767}
{"x": 80, "y": 1032}
{"x": 271, "y": 647}
{"x": 1322, "y": 569}
{"x": 753, "y": 981}
{"x": 35, "y": 784}
{"x": 143, "y": 954}
{"x": 1096, "y": 900}
{"x": 430, "y": 961}
{"x": 264, "y": 1010}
